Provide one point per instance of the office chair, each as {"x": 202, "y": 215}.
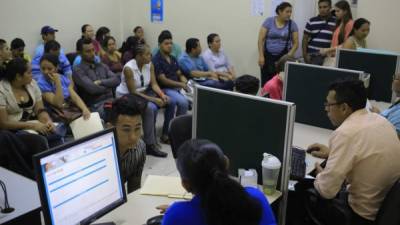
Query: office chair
{"x": 388, "y": 213}
{"x": 180, "y": 130}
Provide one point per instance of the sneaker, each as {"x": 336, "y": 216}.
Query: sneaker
{"x": 154, "y": 151}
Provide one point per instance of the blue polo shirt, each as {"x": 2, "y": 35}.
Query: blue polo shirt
{"x": 189, "y": 64}
{"x": 393, "y": 115}
{"x": 64, "y": 66}
{"x": 190, "y": 212}
{"x": 47, "y": 86}
{"x": 162, "y": 66}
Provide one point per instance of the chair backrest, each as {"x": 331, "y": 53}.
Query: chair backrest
{"x": 180, "y": 131}
{"x": 389, "y": 212}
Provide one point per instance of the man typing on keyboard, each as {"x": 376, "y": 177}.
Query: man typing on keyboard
{"x": 363, "y": 154}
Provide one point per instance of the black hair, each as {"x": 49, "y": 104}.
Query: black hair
{"x": 81, "y": 42}
{"x": 247, "y": 84}
{"x": 2, "y": 43}
{"x": 51, "y": 45}
{"x": 53, "y": 59}
{"x": 191, "y": 43}
{"x": 101, "y": 33}
{"x": 327, "y": 1}
{"x": 224, "y": 201}
{"x": 130, "y": 44}
{"x": 130, "y": 105}
{"x": 83, "y": 29}
{"x": 140, "y": 50}
{"x": 17, "y": 43}
{"x": 137, "y": 28}
{"x": 164, "y": 35}
{"x": 282, "y": 7}
{"x": 345, "y": 6}
{"x": 358, "y": 23}
{"x": 351, "y": 92}
{"x": 210, "y": 38}
{"x": 14, "y": 67}
{"x": 104, "y": 43}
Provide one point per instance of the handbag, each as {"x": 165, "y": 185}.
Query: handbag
{"x": 66, "y": 115}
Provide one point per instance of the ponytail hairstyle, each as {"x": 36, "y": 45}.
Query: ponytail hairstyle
{"x": 14, "y": 67}
{"x": 224, "y": 201}
{"x": 358, "y": 24}
{"x": 345, "y": 6}
{"x": 282, "y": 7}
{"x": 130, "y": 44}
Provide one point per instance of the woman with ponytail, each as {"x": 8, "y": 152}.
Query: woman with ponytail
{"x": 218, "y": 199}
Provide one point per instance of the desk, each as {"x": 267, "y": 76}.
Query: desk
{"x": 140, "y": 208}
{"x": 23, "y": 195}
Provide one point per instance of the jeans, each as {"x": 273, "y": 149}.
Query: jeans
{"x": 149, "y": 123}
{"x": 225, "y": 85}
{"x": 176, "y": 100}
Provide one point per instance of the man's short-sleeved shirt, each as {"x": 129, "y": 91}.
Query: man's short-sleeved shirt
{"x": 162, "y": 66}
{"x": 320, "y": 31}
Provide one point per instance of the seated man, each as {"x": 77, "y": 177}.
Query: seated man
{"x": 48, "y": 34}
{"x": 5, "y": 56}
{"x": 18, "y": 49}
{"x": 170, "y": 79}
{"x": 176, "y": 49}
{"x": 247, "y": 84}
{"x": 393, "y": 112}
{"x": 95, "y": 81}
{"x": 363, "y": 153}
{"x": 126, "y": 118}
{"x": 194, "y": 66}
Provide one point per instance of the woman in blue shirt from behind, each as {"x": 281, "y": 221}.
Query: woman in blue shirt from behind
{"x": 218, "y": 199}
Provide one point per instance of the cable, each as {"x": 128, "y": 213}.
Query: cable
{"x": 7, "y": 208}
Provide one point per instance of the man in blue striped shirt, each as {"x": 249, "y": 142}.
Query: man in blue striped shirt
{"x": 318, "y": 33}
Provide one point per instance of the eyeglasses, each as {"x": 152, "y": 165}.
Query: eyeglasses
{"x": 326, "y": 104}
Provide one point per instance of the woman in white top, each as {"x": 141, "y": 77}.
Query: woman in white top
{"x": 358, "y": 35}
{"x": 216, "y": 59}
{"x": 138, "y": 78}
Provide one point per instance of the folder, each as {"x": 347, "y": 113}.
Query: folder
{"x": 170, "y": 187}
{"x": 81, "y": 128}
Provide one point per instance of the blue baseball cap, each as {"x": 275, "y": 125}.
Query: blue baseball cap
{"x": 47, "y": 30}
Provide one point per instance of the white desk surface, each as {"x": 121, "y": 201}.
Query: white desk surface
{"x": 140, "y": 208}
{"x": 23, "y": 195}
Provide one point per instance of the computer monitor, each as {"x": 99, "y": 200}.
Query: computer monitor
{"x": 80, "y": 181}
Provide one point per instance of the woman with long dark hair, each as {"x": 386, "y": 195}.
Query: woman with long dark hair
{"x": 358, "y": 35}
{"x": 218, "y": 199}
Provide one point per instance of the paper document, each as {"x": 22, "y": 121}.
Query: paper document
{"x": 81, "y": 128}
{"x": 164, "y": 186}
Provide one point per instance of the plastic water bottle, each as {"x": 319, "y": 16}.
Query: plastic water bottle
{"x": 270, "y": 172}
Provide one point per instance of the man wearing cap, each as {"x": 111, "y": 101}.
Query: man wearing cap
{"x": 18, "y": 49}
{"x": 48, "y": 34}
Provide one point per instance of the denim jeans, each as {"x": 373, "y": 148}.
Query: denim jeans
{"x": 225, "y": 85}
{"x": 177, "y": 100}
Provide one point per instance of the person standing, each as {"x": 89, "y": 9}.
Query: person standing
{"x": 278, "y": 40}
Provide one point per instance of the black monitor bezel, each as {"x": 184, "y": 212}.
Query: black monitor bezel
{"x": 41, "y": 185}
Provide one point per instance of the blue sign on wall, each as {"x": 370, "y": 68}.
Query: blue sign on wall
{"x": 157, "y": 11}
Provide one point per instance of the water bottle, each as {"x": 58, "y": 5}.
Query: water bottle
{"x": 270, "y": 172}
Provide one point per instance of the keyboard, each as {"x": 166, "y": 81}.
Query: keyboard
{"x": 298, "y": 165}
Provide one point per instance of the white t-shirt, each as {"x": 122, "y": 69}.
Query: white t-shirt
{"x": 142, "y": 78}
{"x": 216, "y": 62}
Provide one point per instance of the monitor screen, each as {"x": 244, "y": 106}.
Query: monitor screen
{"x": 80, "y": 181}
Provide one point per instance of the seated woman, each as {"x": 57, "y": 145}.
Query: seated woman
{"x": 111, "y": 56}
{"x": 128, "y": 47}
{"x": 64, "y": 103}
{"x": 21, "y": 105}
{"x": 358, "y": 35}
{"x": 216, "y": 59}
{"x": 138, "y": 78}
{"x": 218, "y": 199}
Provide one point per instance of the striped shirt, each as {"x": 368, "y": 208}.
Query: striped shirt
{"x": 320, "y": 32}
{"x": 393, "y": 115}
{"x": 132, "y": 163}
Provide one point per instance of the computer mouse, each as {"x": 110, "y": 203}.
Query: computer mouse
{"x": 313, "y": 149}
{"x": 157, "y": 220}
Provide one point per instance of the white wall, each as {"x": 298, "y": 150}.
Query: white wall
{"x": 24, "y": 19}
